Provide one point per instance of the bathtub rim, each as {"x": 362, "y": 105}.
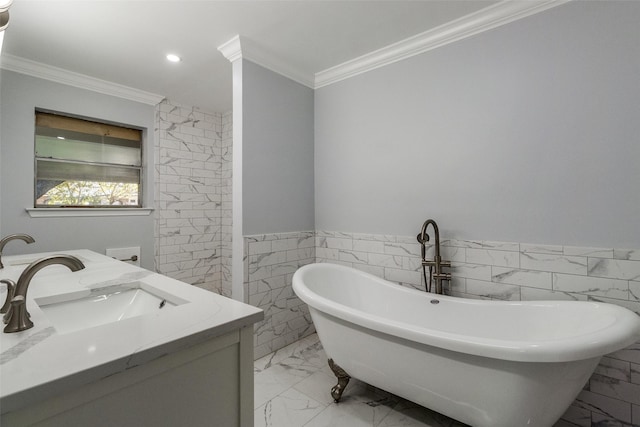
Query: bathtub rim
{"x": 624, "y": 331}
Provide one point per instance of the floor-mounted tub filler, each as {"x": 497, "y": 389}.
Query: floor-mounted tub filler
{"x": 485, "y": 363}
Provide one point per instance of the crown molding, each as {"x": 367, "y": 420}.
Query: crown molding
{"x": 70, "y": 78}
{"x": 483, "y": 20}
{"x": 232, "y": 49}
{"x": 240, "y": 47}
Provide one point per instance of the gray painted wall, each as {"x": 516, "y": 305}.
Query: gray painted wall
{"x": 20, "y": 95}
{"x": 526, "y": 133}
{"x": 277, "y": 152}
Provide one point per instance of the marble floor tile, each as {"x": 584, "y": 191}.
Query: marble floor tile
{"x": 292, "y": 389}
{"x": 290, "y": 408}
{"x": 271, "y": 382}
{"x": 407, "y": 414}
{"x": 317, "y": 386}
{"x": 307, "y": 348}
{"x": 364, "y": 408}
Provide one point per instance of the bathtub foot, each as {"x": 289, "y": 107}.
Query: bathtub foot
{"x": 343, "y": 380}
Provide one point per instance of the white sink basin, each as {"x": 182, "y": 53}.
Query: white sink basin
{"x": 85, "y": 309}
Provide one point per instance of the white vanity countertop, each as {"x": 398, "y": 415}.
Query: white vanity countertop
{"x": 40, "y": 362}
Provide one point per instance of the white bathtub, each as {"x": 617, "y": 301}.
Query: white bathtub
{"x": 485, "y": 363}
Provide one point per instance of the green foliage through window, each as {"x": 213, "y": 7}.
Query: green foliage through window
{"x": 87, "y": 193}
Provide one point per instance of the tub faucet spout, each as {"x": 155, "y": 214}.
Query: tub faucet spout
{"x": 17, "y": 317}
{"x": 7, "y": 239}
{"x": 435, "y": 266}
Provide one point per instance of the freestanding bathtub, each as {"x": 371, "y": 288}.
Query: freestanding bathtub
{"x": 485, "y": 363}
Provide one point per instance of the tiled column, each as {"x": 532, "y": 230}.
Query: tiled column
{"x": 270, "y": 261}
{"x": 189, "y": 175}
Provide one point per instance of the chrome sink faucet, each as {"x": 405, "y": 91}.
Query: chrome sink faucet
{"x": 437, "y": 263}
{"x": 11, "y": 237}
{"x": 17, "y": 317}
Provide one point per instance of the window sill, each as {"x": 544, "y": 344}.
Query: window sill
{"x": 75, "y": 212}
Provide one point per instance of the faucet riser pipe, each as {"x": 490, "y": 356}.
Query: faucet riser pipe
{"x": 435, "y": 266}
{"x": 19, "y": 318}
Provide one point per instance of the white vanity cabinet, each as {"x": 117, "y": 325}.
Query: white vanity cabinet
{"x": 210, "y": 384}
{"x": 188, "y": 366}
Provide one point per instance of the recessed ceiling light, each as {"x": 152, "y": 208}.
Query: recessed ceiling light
{"x": 173, "y": 58}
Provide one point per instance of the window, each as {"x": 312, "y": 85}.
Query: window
{"x": 81, "y": 163}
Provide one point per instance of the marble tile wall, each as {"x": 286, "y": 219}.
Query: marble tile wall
{"x": 226, "y": 188}
{"x": 192, "y": 179}
{"x": 193, "y": 244}
{"x": 270, "y": 261}
{"x": 519, "y": 271}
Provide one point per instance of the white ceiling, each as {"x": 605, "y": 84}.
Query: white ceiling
{"x": 125, "y": 42}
